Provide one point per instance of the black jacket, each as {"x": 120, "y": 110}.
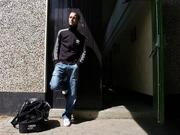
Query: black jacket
{"x": 69, "y": 47}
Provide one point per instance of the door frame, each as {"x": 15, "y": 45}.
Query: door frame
{"x": 158, "y": 61}
{"x": 158, "y": 57}
{"x": 92, "y": 51}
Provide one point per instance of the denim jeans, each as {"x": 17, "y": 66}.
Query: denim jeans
{"x": 70, "y": 72}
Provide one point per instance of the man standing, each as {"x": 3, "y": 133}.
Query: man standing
{"x": 69, "y": 52}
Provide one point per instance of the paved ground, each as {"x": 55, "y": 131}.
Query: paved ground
{"x": 128, "y": 117}
{"x": 98, "y": 127}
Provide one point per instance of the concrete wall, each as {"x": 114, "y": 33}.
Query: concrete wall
{"x": 171, "y": 16}
{"x": 141, "y": 65}
{"x": 22, "y": 52}
{"x": 132, "y": 66}
{"x": 22, "y": 45}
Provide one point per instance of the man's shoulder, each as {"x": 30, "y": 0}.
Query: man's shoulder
{"x": 63, "y": 30}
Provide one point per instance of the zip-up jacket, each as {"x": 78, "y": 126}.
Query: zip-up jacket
{"x": 69, "y": 47}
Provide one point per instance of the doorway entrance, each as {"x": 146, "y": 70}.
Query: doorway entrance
{"x": 133, "y": 52}
{"x": 89, "y": 89}
{"x": 128, "y": 72}
{"x": 120, "y": 56}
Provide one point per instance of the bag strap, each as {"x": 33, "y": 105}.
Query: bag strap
{"x": 21, "y": 114}
{"x": 15, "y": 121}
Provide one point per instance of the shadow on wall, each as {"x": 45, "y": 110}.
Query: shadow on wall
{"x": 89, "y": 93}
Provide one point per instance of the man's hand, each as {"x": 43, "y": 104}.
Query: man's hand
{"x": 55, "y": 62}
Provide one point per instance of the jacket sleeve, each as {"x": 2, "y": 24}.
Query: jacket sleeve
{"x": 56, "y": 48}
{"x": 82, "y": 57}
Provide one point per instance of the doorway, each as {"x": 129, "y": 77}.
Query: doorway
{"x": 89, "y": 89}
{"x": 119, "y": 63}
{"x": 128, "y": 65}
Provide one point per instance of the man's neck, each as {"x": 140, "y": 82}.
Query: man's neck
{"x": 73, "y": 28}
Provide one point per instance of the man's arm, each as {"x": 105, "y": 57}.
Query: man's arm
{"x": 82, "y": 57}
{"x": 56, "y": 48}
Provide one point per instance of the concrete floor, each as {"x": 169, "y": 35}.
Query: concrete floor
{"x": 125, "y": 114}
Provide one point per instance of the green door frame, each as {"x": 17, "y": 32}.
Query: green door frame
{"x": 158, "y": 60}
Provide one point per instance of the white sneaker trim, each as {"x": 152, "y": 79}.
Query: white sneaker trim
{"x": 66, "y": 122}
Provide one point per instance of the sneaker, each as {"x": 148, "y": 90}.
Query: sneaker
{"x": 64, "y": 92}
{"x": 66, "y": 122}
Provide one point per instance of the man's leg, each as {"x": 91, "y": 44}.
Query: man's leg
{"x": 71, "y": 95}
{"x": 57, "y": 77}
{"x": 65, "y": 88}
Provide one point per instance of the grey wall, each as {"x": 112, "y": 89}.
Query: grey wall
{"x": 171, "y": 16}
{"x": 22, "y": 45}
{"x": 132, "y": 68}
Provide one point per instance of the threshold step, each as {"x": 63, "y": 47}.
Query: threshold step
{"x": 117, "y": 112}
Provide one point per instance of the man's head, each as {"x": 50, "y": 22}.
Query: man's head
{"x": 73, "y": 19}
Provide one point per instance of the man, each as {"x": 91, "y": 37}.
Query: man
{"x": 69, "y": 52}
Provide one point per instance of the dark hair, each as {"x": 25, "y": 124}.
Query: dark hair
{"x": 77, "y": 14}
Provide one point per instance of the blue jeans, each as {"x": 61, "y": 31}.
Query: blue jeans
{"x": 70, "y": 72}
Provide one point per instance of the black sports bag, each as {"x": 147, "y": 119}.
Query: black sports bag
{"x": 32, "y": 114}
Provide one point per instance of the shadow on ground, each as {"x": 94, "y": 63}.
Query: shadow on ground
{"x": 143, "y": 104}
{"x": 133, "y": 101}
{"x": 150, "y": 125}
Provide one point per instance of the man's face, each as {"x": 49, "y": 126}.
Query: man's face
{"x": 73, "y": 19}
